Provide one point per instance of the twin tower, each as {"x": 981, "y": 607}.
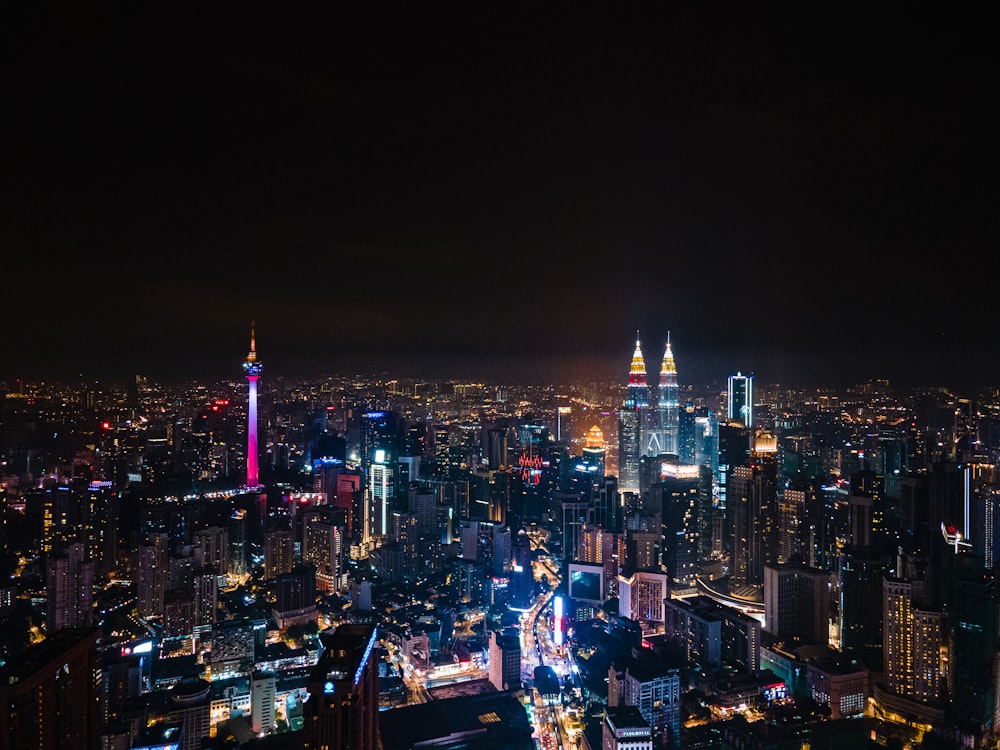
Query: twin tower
{"x": 648, "y": 419}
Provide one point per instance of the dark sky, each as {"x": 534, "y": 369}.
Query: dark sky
{"x": 508, "y": 195}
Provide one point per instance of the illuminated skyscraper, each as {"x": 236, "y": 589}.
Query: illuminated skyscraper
{"x": 70, "y": 587}
{"x": 665, "y": 438}
{"x": 633, "y": 423}
{"x": 752, "y": 506}
{"x": 739, "y": 401}
{"x": 505, "y": 661}
{"x": 342, "y": 710}
{"x": 252, "y": 368}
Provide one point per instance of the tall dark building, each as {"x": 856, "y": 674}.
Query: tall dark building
{"x": 752, "y": 508}
{"x": 686, "y": 497}
{"x": 522, "y": 579}
{"x": 733, "y": 451}
{"x": 51, "y": 693}
{"x": 342, "y": 712}
{"x": 971, "y": 608}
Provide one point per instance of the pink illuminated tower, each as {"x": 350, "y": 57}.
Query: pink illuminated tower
{"x": 252, "y": 368}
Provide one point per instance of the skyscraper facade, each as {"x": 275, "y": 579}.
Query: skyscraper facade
{"x": 505, "y": 661}
{"x": 342, "y": 711}
{"x": 667, "y": 408}
{"x": 633, "y": 423}
{"x": 50, "y": 695}
{"x": 70, "y": 587}
{"x": 739, "y": 399}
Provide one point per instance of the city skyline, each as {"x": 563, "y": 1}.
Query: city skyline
{"x": 430, "y": 196}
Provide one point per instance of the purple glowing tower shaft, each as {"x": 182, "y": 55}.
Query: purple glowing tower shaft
{"x": 252, "y": 368}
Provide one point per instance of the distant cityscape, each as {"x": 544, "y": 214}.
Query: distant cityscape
{"x": 356, "y": 563}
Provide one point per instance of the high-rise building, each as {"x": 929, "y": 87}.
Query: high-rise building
{"x": 739, "y": 399}
{"x": 667, "y": 408}
{"x": 325, "y": 548}
{"x": 686, "y": 497}
{"x": 381, "y": 490}
{"x": 189, "y": 705}
{"x": 912, "y": 643}
{"x": 342, "y": 711}
{"x": 70, "y": 589}
{"x": 295, "y": 597}
{"x": 100, "y": 527}
{"x": 488, "y": 544}
{"x": 860, "y": 608}
{"x": 151, "y": 575}
{"x": 505, "y": 661}
{"x": 654, "y": 687}
{"x": 971, "y": 608}
{"x": 633, "y": 423}
{"x": 793, "y": 543}
{"x": 640, "y": 596}
{"x": 709, "y": 634}
{"x": 50, "y": 693}
{"x": 262, "y": 702}
{"x": 522, "y": 579}
{"x": 423, "y": 505}
{"x": 624, "y": 728}
{"x": 752, "y": 508}
{"x": 252, "y": 367}
{"x": 237, "y": 543}
{"x": 797, "y": 603}
{"x": 212, "y": 544}
{"x": 279, "y": 552}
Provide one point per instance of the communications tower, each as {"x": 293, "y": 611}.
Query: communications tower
{"x": 252, "y": 368}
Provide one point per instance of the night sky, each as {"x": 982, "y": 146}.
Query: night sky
{"x": 437, "y": 192}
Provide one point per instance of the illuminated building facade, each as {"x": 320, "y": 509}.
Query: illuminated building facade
{"x": 70, "y": 589}
{"x": 665, "y": 438}
{"x": 640, "y": 597}
{"x": 752, "y": 507}
{"x": 912, "y": 643}
{"x": 739, "y": 399}
{"x": 505, "y": 661}
{"x": 279, "y": 552}
{"x": 262, "y": 702}
{"x": 381, "y": 483}
{"x": 624, "y": 728}
{"x": 252, "y": 367}
{"x": 151, "y": 575}
{"x": 654, "y": 687}
{"x": 633, "y": 423}
{"x": 342, "y": 710}
{"x": 797, "y": 603}
{"x": 686, "y": 501}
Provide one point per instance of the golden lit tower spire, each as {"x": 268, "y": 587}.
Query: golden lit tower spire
{"x": 637, "y": 373}
{"x": 668, "y": 369}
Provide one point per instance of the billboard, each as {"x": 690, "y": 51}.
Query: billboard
{"x": 586, "y": 582}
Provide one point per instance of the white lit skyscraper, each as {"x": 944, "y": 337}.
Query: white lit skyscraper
{"x": 667, "y": 407}
{"x": 633, "y": 423}
{"x": 739, "y": 401}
